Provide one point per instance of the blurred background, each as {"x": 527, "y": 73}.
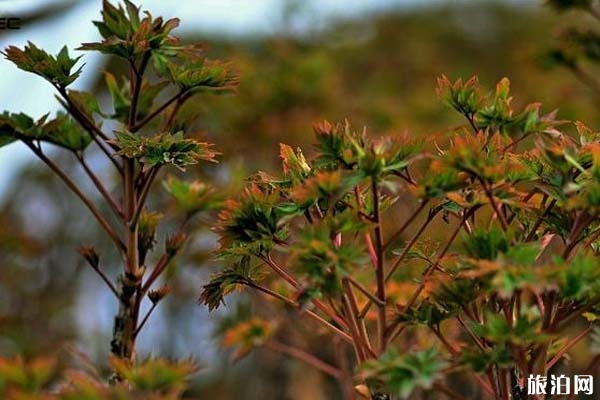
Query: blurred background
{"x": 373, "y": 62}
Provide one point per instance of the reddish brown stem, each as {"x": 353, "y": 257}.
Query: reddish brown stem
{"x": 306, "y": 357}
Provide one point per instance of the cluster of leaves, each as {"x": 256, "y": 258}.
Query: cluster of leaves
{"x": 163, "y": 149}
{"x": 157, "y": 67}
{"x": 55, "y": 69}
{"x": 515, "y": 189}
{"x": 400, "y": 375}
{"x": 62, "y": 131}
{"x": 45, "y": 378}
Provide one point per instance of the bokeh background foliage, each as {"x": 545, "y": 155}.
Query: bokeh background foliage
{"x": 378, "y": 71}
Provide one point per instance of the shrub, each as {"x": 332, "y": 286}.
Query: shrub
{"x": 494, "y": 261}
{"x": 161, "y": 75}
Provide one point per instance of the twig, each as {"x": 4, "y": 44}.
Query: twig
{"x": 143, "y": 194}
{"x": 73, "y": 187}
{"x": 292, "y": 281}
{"x": 434, "y": 265}
{"x": 396, "y": 264}
{"x": 96, "y": 134}
{"x": 160, "y": 109}
{"x": 141, "y": 325}
{"x": 470, "y": 333}
{"x": 405, "y": 225}
{"x": 363, "y": 290}
{"x": 379, "y": 272}
{"x": 106, "y": 280}
{"x": 306, "y": 357}
{"x": 105, "y": 194}
{"x": 568, "y": 346}
{"x": 353, "y": 317}
{"x": 294, "y": 304}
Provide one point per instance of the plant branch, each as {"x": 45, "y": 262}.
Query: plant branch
{"x": 539, "y": 221}
{"x": 497, "y": 210}
{"x": 353, "y": 317}
{"x": 306, "y": 357}
{"x": 169, "y": 121}
{"x": 294, "y": 304}
{"x": 96, "y": 134}
{"x": 103, "y": 276}
{"x": 561, "y": 352}
{"x": 470, "y": 332}
{"x": 405, "y": 225}
{"x": 145, "y": 319}
{"x": 292, "y": 281}
{"x": 379, "y": 272}
{"x": 363, "y": 290}
{"x": 75, "y": 189}
{"x": 404, "y": 253}
{"x": 143, "y": 195}
{"x": 103, "y": 191}
{"x": 160, "y": 109}
{"x": 429, "y": 270}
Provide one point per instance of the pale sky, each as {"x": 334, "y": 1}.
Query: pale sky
{"x": 24, "y": 92}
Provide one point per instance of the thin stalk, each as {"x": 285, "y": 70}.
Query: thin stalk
{"x": 143, "y": 195}
{"x": 561, "y": 352}
{"x": 484, "y": 385}
{"x": 103, "y": 276}
{"x": 294, "y": 304}
{"x": 86, "y": 201}
{"x": 379, "y": 272}
{"x": 363, "y": 290}
{"x": 103, "y": 191}
{"x": 497, "y": 210}
{"x": 396, "y": 264}
{"x": 579, "y": 226}
{"x": 145, "y": 319}
{"x": 409, "y": 246}
{"x": 169, "y": 121}
{"x": 405, "y": 225}
{"x": 429, "y": 270}
{"x": 451, "y": 349}
{"x": 294, "y": 282}
{"x": 306, "y": 357}
{"x": 359, "y": 349}
{"x": 96, "y": 134}
{"x": 160, "y": 109}
{"x": 540, "y": 220}
{"x": 129, "y": 204}
{"x": 471, "y": 334}
{"x": 394, "y": 332}
{"x": 360, "y": 324}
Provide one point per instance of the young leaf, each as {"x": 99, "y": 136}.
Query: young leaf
{"x": 55, "y": 69}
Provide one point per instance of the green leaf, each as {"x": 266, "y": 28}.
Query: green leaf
{"x": 193, "y": 196}
{"x": 485, "y": 244}
{"x": 194, "y": 73}
{"x": 63, "y": 131}
{"x": 120, "y": 96}
{"x": 401, "y": 374}
{"x": 56, "y": 70}
{"x": 225, "y": 282}
{"x": 86, "y": 102}
{"x": 164, "y": 149}
{"x": 126, "y": 35}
